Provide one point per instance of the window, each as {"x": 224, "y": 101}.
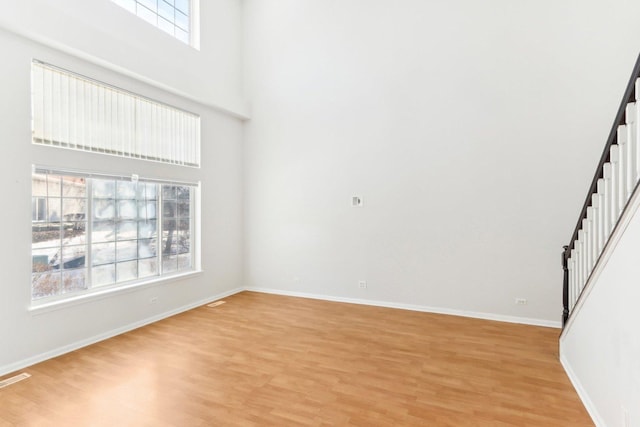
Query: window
{"x": 90, "y": 232}
{"x": 171, "y": 16}
{"x": 75, "y": 112}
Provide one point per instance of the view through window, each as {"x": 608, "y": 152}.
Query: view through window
{"x": 91, "y": 232}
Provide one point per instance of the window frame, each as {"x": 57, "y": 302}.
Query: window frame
{"x": 155, "y": 18}
{"x": 94, "y": 289}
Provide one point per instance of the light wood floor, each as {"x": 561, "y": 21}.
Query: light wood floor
{"x": 265, "y": 360}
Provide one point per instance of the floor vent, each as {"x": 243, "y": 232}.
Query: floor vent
{"x": 14, "y": 380}
{"x": 215, "y": 304}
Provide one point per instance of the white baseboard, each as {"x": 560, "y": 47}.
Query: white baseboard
{"x": 412, "y": 307}
{"x": 577, "y": 385}
{"x": 21, "y": 364}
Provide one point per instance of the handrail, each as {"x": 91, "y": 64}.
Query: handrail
{"x": 629, "y": 96}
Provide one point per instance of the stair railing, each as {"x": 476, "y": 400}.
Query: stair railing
{"x": 616, "y": 178}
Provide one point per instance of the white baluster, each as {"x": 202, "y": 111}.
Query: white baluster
{"x": 632, "y": 147}
{"x": 615, "y": 186}
{"x": 608, "y": 194}
{"x": 571, "y": 283}
{"x": 601, "y": 215}
{"x": 590, "y": 240}
{"x": 623, "y": 159}
{"x": 572, "y": 278}
{"x": 595, "y": 205}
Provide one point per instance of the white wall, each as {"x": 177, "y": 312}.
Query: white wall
{"x": 600, "y": 347}
{"x": 471, "y": 129}
{"x": 27, "y": 337}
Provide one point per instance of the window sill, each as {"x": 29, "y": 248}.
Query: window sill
{"x": 38, "y": 308}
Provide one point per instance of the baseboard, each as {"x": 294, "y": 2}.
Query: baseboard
{"x": 6, "y": 369}
{"x": 412, "y": 307}
{"x": 577, "y": 385}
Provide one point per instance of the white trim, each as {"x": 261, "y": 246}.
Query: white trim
{"x": 47, "y": 306}
{"x": 412, "y": 307}
{"x": 577, "y": 385}
{"x": 21, "y": 364}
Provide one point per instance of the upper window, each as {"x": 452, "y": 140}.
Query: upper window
{"x": 171, "y": 16}
{"x": 73, "y": 111}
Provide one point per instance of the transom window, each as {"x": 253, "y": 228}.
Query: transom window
{"x": 91, "y": 232}
{"x": 171, "y": 16}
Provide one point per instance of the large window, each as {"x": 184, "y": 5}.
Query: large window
{"x": 91, "y": 232}
{"x": 171, "y": 16}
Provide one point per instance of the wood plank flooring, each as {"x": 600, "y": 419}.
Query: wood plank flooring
{"x": 267, "y": 360}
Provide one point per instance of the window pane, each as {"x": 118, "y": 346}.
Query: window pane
{"x": 169, "y": 264}
{"x": 73, "y": 186}
{"x": 147, "y": 248}
{"x": 127, "y": 209}
{"x": 39, "y": 185}
{"x": 147, "y": 267}
{"x": 182, "y": 5}
{"x": 54, "y": 208}
{"x": 146, "y": 14}
{"x": 183, "y": 208}
{"x": 103, "y": 275}
{"x": 104, "y": 209}
{"x": 127, "y": 250}
{"x": 45, "y": 235}
{"x": 168, "y": 192}
{"x": 127, "y": 230}
{"x": 150, "y": 4}
{"x": 54, "y": 186}
{"x": 182, "y": 35}
{"x": 45, "y": 284}
{"x": 146, "y": 229}
{"x": 73, "y": 209}
{"x": 103, "y": 253}
{"x": 126, "y": 190}
{"x": 74, "y": 233}
{"x": 147, "y": 210}
{"x": 184, "y": 242}
{"x": 169, "y": 209}
{"x": 74, "y": 280}
{"x": 147, "y": 191}
{"x": 184, "y": 262}
{"x": 103, "y": 231}
{"x": 182, "y": 21}
{"x": 166, "y": 11}
{"x": 126, "y": 271}
{"x": 73, "y": 256}
{"x": 105, "y": 189}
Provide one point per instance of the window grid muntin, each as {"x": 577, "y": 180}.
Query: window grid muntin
{"x": 90, "y": 278}
{"x": 173, "y": 17}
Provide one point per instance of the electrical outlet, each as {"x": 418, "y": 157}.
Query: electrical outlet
{"x": 362, "y": 284}
{"x": 521, "y": 301}
{"x": 153, "y": 300}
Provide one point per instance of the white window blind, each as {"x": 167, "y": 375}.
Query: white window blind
{"x": 76, "y": 112}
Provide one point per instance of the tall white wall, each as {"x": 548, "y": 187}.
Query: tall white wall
{"x": 600, "y": 348}
{"x": 471, "y": 129}
{"x": 27, "y": 336}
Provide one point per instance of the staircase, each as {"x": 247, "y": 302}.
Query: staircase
{"x": 614, "y": 184}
